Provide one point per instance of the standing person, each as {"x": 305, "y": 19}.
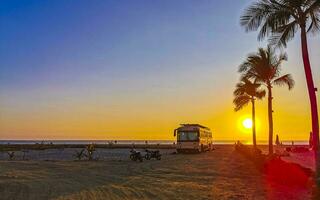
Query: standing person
{"x": 277, "y": 140}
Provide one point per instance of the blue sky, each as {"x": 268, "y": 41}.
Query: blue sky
{"x": 62, "y": 41}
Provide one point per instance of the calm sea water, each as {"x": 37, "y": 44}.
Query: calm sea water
{"x": 133, "y": 141}
{"x": 85, "y": 141}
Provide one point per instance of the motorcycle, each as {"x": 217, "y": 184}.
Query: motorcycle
{"x": 136, "y": 155}
{"x": 152, "y": 154}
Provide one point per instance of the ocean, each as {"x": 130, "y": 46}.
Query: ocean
{"x": 300, "y": 142}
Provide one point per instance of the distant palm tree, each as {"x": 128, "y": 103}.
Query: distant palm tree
{"x": 264, "y": 67}
{"x": 245, "y": 92}
{"x": 280, "y": 19}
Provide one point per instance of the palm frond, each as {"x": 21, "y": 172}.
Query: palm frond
{"x": 240, "y": 89}
{"x": 277, "y": 64}
{"x": 314, "y": 26}
{"x": 260, "y": 94}
{"x": 312, "y": 6}
{"x": 245, "y": 91}
{"x": 267, "y": 15}
{"x": 279, "y": 20}
{"x": 241, "y": 101}
{"x": 254, "y": 15}
{"x": 279, "y": 17}
{"x": 284, "y": 80}
{"x": 244, "y": 66}
{"x": 264, "y": 67}
{"x": 283, "y": 34}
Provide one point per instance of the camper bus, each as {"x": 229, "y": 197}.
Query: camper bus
{"x": 193, "y": 138}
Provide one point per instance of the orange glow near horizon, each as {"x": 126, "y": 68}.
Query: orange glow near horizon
{"x": 145, "y": 121}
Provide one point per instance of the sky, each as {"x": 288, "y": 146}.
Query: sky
{"x": 90, "y": 69}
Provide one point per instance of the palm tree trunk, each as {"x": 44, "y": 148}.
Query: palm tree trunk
{"x": 270, "y": 118}
{"x": 312, "y": 98}
{"x": 253, "y": 124}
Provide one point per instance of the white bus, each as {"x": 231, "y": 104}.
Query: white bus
{"x": 193, "y": 138}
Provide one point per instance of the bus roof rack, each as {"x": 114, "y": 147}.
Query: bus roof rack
{"x": 198, "y": 125}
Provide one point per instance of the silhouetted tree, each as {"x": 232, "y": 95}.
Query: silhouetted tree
{"x": 264, "y": 67}
{"x": 245, "y": 92}
{"x": 280, "y": 20}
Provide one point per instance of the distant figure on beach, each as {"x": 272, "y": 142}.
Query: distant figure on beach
{"x": 277, "y": 140}
{"x": 292, "y": 143}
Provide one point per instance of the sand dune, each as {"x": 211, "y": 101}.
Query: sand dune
{"x": 221, "y": 174}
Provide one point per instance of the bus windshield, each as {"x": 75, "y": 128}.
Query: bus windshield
{"x": 187, "y": 136}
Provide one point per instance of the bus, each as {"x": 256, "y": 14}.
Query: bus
{"x": 193, "y": 138}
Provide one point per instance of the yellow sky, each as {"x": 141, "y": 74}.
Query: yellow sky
{"x": 153, "y": 118}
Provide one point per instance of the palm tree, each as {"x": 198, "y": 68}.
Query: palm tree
{"x": 264, "y": 67}
{"x": 245, "y": 92}
{"x": 281, "y": 19}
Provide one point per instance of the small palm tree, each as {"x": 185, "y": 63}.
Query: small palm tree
{"x": 90, "y": 150}
{"x": 11, "y": 155}
{"x": 245, "y": 92}
{"x": 79, "y": 154}
{"x": 264, "y": 67}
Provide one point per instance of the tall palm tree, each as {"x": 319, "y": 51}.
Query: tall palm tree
{"x": 264, "y": 67}
{"x": 280, "y": 20}
{"x": 245, "y": 92}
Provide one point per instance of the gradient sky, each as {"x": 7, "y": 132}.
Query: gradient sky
{"x": 90, "y": 69}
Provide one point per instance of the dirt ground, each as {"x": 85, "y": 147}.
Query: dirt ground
{"x": 220, "y": 174}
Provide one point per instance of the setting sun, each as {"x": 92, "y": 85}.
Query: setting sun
{"x": 247, "y": 123}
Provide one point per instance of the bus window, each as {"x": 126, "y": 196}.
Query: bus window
{"x": 182, "y": 136}
{"x": 186, "y": 136}
{"x": 193, "y": 135}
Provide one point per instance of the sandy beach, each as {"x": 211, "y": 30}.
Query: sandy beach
{"x": 220, "y": 174}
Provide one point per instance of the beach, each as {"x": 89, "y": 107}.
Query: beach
{"x": 219, "y": 174}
